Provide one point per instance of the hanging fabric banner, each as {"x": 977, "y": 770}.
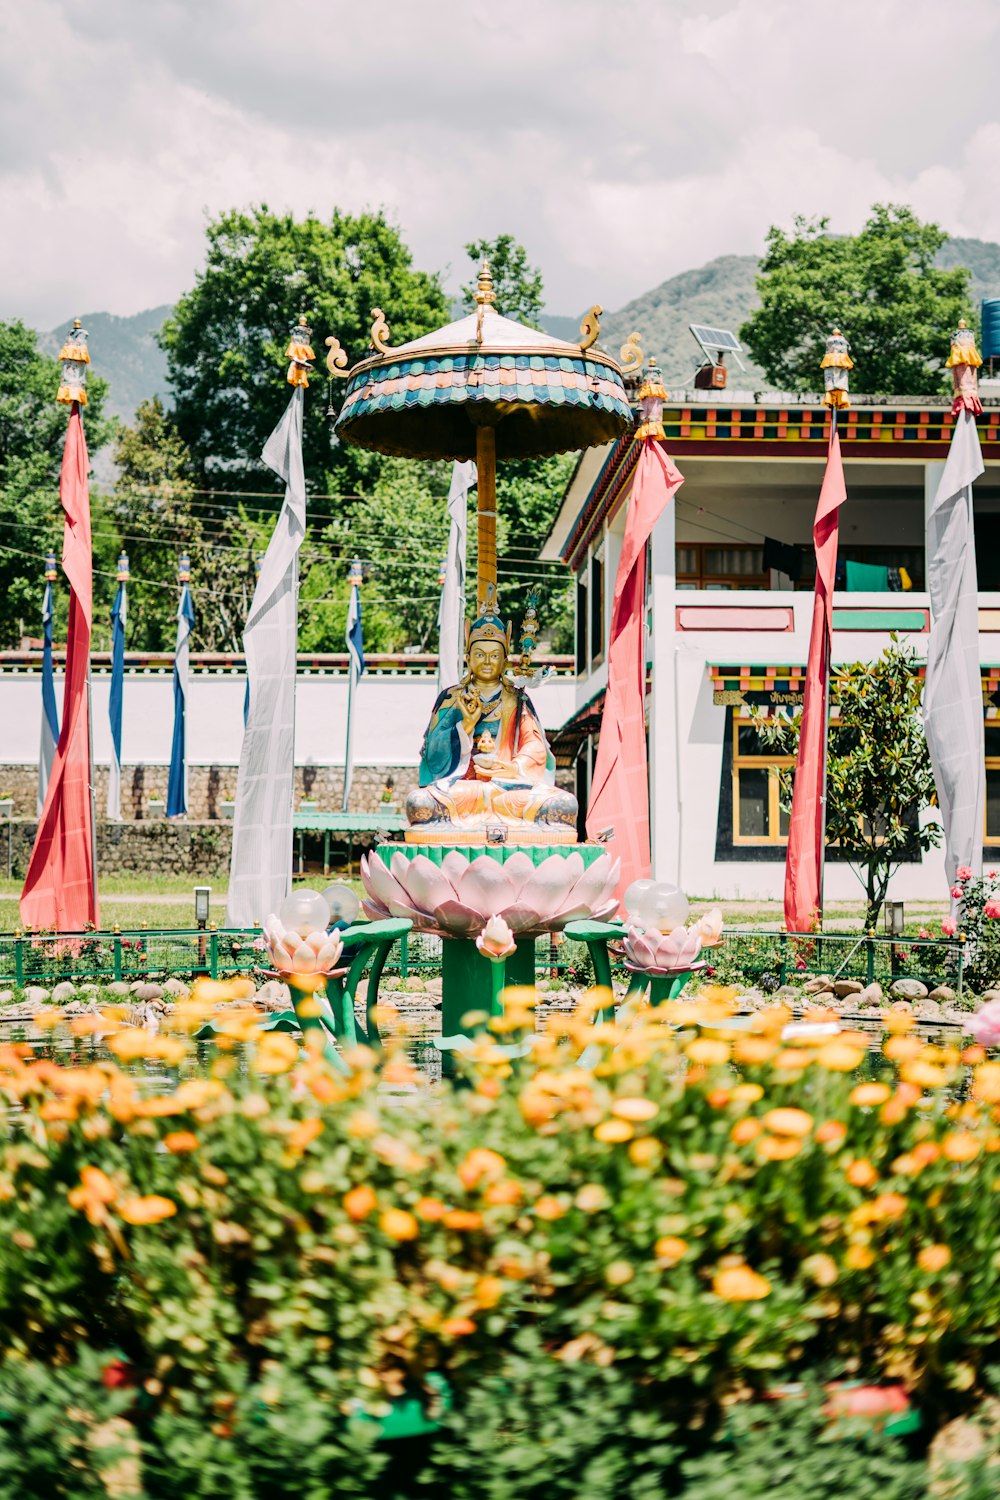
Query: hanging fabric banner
{"x": 177, "y": 783}
{"x": 260, "y": 872}
{"x": 807, "y": 826}
{"x": 356, "y": 651}
{"x": 50, "y": 713}
{"x": 619, "y": 797}
{"x": 119, "y": 613}
{"x": 60, "y": 889}
{"x": 953, "y": 693}
{"x": 451, "y": 615}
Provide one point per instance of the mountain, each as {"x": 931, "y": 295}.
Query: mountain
{"x": 721, "y": 294}
{"x": 125, "y": 353}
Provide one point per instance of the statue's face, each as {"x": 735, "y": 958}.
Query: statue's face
{"x": 487, "y": 660}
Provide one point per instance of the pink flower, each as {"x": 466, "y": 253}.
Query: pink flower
{"x": 949, "y": 927}
{"x": 992, "y": 874}
{"x": 956, "y": 893}
{"x": 963, "y": 873}
{"x": 496, "y": 941}
{"x": 662, "y": 952}
{"x": 923, "y": 932}
{"x": 992, "y": 909}
{"x": 291, "y": 953}
{"x": 985, "y": 1024}
{"x": 710, "y": 928}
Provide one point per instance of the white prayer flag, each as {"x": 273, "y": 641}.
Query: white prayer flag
{"x": 953, "y": 694}
{"x": 260, "y": 873}
{"x": 451, "y": 615}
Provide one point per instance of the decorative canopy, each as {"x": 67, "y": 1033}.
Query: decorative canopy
{"x": 427, "y": 398}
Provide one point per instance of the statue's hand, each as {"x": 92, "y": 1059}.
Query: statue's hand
{"x": 504, "y": 769}
{"x": 469, "y": 707}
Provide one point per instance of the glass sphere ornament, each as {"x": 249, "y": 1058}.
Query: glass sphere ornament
{"x": 344, "y": 904}
{"x": 304, "y": 912}
{"x": 656, "y": 904}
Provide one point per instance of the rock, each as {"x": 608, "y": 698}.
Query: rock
{"x": 904, "y": 1007}
{"x": 273, "y": 996}
{"x": 942, "y": 992}
{"x": 819, "y": 985}
{"x": 956, "y": 1013}
{"x": 117, "y": 987}
{"x": 785, "y": 992}
{"x": 64, "y": 992}
{"x": 6, "y": 996}
{"x": 177, "y": 988}
{"x": 871, "y": 995}
{"x": 35, "y": 994}
{"x": 414, "y": 985}
{"x": 147, "y": 992}
{"x": 845, "y": 987}
{"x": 434, "y": 986}
{"x": 752, "y": 1000}
{"x": 927, "y": 1009}
{"x": 908, "y": 989}
{"x": 990, "y": 995}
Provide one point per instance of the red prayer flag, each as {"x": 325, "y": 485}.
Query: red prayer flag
{"x": 60, "y": 888}
{"x": 806, "y": 832}
{"x": 619, "y": 796}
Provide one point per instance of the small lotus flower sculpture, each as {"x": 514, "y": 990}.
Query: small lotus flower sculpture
{"x": 496, "y": 941}
{"x": 297, "y": 953}
{"x": 652, "y": 952}
{"x": 709, "y": 928}
{"x": 460, "y": 896}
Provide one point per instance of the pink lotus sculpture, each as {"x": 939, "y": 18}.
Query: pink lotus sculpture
{"x": 294, "y": 953}
{"x": 458, "y": 897}
{"x": 652, "y": 952}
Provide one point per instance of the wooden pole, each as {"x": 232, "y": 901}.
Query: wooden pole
{"x": 486, "y": 465}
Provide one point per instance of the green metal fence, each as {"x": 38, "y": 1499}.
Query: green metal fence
{"x": 875, "y": 959}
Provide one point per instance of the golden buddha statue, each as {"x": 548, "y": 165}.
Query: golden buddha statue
{"x": 485, "y": 762}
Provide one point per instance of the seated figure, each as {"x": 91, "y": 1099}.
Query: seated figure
{"x": 486, "y": 762}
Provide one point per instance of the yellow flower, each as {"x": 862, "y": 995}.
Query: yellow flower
{"x": 859, "y": 1257}
{"x": 399, "y": 1224}
{"x": 747, "y": 1093}
{"x": 753, "y": 1049}
{"x": 986, "y": 1083}
{"x": 480, "y": 1162}
{"x": 795, "y": 1122}
{"x": 462, "y": 1218}
{"x": 456, "y": 1328}
{"x": 150, "y": 1210}
{"x": 179, "y": 1141}
{"x": 614, "y": 1131}
{"x": 636, "y": 1110}
{"x": 645, "y": 1152}
{"x": 869, "y": 1094}
{"x": 792, "y": 1059}
{"x": 831, "y": 1132}
{"x": 669, "y": 1249}
{"x": 504, "y": 1193}
{"x": 549, "y": 1208}
{"x": 430, "y": 1209}
{"x": 359, "y": 1202}
{"x": 708, "y": 1053}
{"x": 840, "y": 1057}
{"x": 303, "y": 1134}
{"x": 740, "y": 1284}
{"x": 778, "y": 1147}
{"x": 618, "y": 1273}
{"x": 961, "y": 1146}
{"x": 591, "y": 1198}
{"x": 822, "y": 1269}
{"x": 488, "y": 1291}
{"x": 276, "y": 1053}
{"x": 887, "y": 1206}
{"x": 745, "y": 1131}
{"x": 933, "y": 1258}
{"x": 95, "y": 1192}
{"x": 861, "y": 1173}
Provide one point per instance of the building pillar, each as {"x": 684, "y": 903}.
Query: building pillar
{"x": 664, "y": 767}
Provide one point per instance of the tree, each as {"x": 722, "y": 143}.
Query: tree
{"x": 518, "y": 286}
{"x": 879, "y": 776}
{"x": 159, "y": 516}
{"x": 32, "y": 435}
{"x": 227, "y": 337}
{"x": 881, "y": 287}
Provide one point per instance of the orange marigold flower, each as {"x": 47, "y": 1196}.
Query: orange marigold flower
{"x": 150, "y": 1210}
{"x": 907, "y": 1165}
{"x": 788, "y": 1122}
{"x": 591, "y": 1198}
{"x": 480, "y": 1162}
{"x": 506, "y": 1192}
{"x": 636, "y": 1110}
{"x": 304, "y": 1133}
{"x": 430, "y": 1209}
{"x": 753, "y": 1049}
{"x": 778, "y": 1147}
{"x": 986, "y": 1083}
{"x": 961, "y": 1146}
{"x": 822, "y": 1269}
{"x": 708, "y": 1052}
{"x": 926, "y": 1152}
{"x": 488, "y": 1291}
{"x": 613, "y": 1131}
{"x": 95, "y": 1192}
{"x": 549, "y": 1208}
{"x": 360, "y": 1202}
{"x": 933, "y": 1258}
{"x": 745, "y": 1131}
{"x": 59, "y": 1109}
{"x": 740, "y": 1284}
{"x": 399, "y": 1224}
{"x": 645, "y": 1152}
{"x": 462, "y": 1218}
{"x": 888, "y": 1206}
{"x": 792, "y": 1059}
{"x": 866, "y": 1094}
{"x": 179, "y": 1141}
{"x": 276, "y": 1052}
{"x": 840, "y": 1057}
{"x": 669, "y": 1249}
{"x": 457, "y": 1328}
{"x": 831, "y": 1132}
{"x": 861, "y": 1173}
{"x": 618, "y": 1273}
{"x": 859, "y": 1257}
{"x": 747, "y": 1093}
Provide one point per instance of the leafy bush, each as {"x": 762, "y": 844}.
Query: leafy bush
{"x": 978, "y": 912}
{"x": 250, "y": 1270}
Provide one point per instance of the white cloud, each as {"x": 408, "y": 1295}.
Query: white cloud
{"x": 621, "y": 145}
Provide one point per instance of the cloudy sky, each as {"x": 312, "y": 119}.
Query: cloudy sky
{"x": 622, "y": 143}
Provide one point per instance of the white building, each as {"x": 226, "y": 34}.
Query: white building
{"x": 728, "y": 628}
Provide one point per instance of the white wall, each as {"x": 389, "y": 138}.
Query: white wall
{"x": 392, "y": 714}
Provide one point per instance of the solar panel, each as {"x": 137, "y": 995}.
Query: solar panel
{"x": 715, "y": 338}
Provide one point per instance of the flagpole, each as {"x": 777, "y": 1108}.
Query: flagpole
{"x": 826, "y": 737}
{"x": 354, "y": 649}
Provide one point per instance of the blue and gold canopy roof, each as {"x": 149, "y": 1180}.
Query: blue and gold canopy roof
{"x": 541, "y": 395}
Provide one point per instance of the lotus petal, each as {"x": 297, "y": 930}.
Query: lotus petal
{"x": 518, "y": 869}
{"x": 607, "y": 911}
{"x": 496, "y": 940}
{"x": 484, "y": 886}
{"x": 374, "y": 910}
{"x": 426, "y": 884}
{"x": 520, "y": 918}
{"x": 456, "y": 920}
{"x": 378, "y": 882}
{"x": 591, "y": 890}
{"x": 454, "y": 866}
{"x": 550, "y": 884}
{"x": 640, "y": 950}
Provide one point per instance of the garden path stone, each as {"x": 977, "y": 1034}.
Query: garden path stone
{"x": 909, "y": 989}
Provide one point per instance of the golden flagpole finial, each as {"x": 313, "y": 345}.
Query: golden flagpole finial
{"x": 300, "y": 352}
{"x": 75, "y": 357}
{"x": 836, "y": 365}
{"x": 485, "y": 297}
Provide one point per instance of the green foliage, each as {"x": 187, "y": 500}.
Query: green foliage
{"x": 518, "y": 286}
{"x": 62, "y": 1432}
{"x": 32, "y": 435}
{"x": 881, "y": 286}
{"x": 227, "y": 337}
{"x": 978, "y": 922}
{"x": 879, "y": 774}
